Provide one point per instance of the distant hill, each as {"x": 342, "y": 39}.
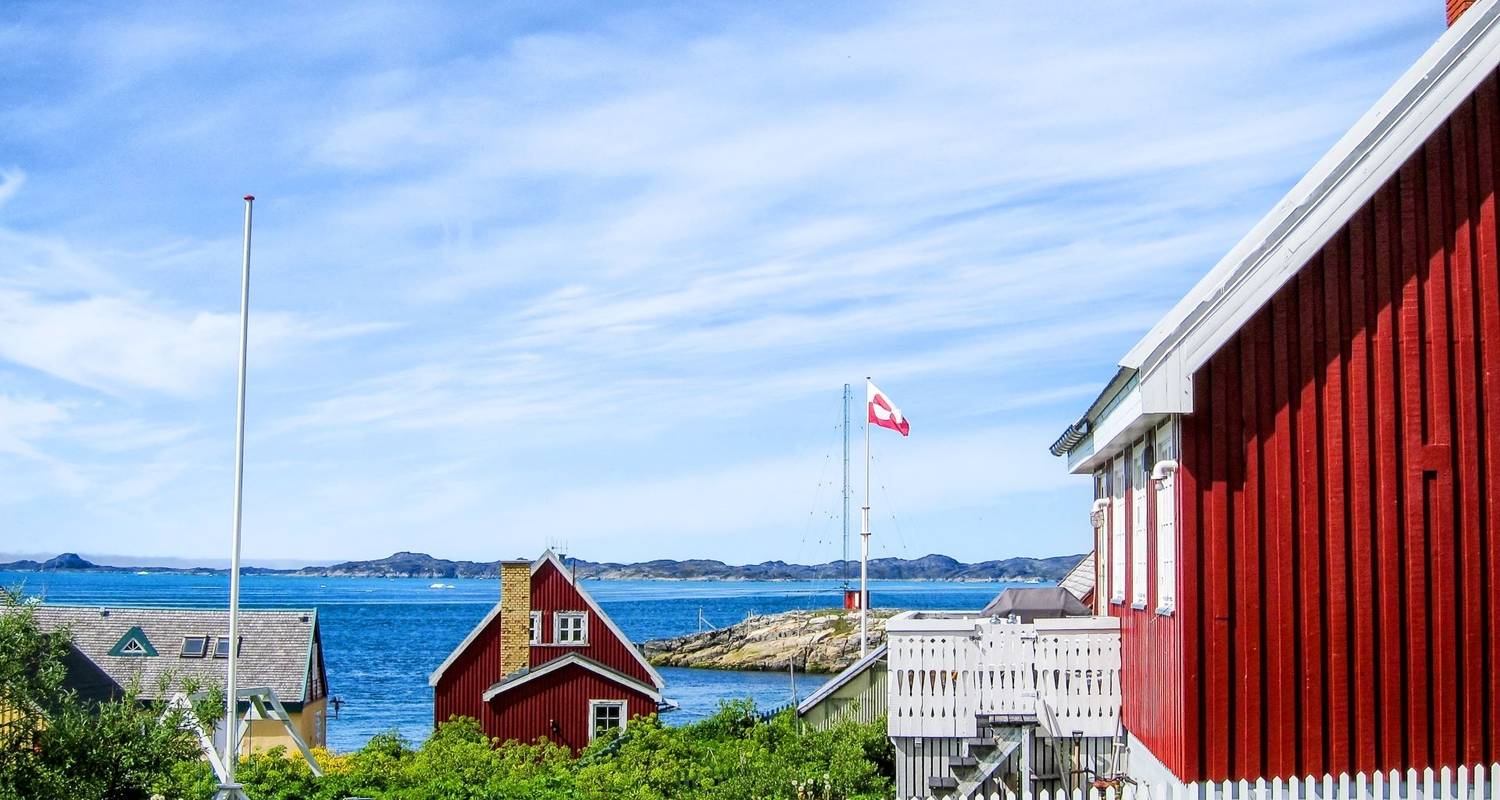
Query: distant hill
{"x": 422, "y": 565}
{"x": 72, "y": 562}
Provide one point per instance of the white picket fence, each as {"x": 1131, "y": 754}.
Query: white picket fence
{"x": 1463, "y": 783}
{"x": 945, "y": 668}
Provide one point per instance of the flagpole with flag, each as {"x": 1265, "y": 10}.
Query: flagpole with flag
{"x": 864, "y": 535}
{"x": 229, "y": 789}
{"x": 880, "y": 410}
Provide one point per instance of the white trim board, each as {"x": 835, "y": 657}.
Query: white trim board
{"x": 656, "y": 679}
{"x": 566, "y": 661}
{"x": 838, "y": 681}
{"x": 1321, "y": 203}
{"x": 546, "y": 557}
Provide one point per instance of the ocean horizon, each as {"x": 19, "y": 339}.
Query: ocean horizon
{"x": 383, "y": 636}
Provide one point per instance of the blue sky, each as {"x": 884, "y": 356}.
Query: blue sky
{"x": 594, "y": 275}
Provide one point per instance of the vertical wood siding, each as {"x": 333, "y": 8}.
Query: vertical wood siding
{"x": 461, "y": 688}
{"x": 1341, "y": 493}
{"x": 1152, "y": 656}
{"x": 556, "y": 707}
{"x": 552, "y": 592}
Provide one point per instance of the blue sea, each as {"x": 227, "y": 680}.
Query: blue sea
{"x": 383, "y": 636}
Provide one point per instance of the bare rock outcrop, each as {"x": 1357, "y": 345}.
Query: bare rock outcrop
{"x": 815, "y": 641}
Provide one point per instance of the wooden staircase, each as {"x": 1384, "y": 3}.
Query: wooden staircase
{"x": 998, "y": 736}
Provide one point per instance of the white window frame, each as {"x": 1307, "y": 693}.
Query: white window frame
{"x": 1139, "y": 504}
{"x": 536, "y": 627}
{"x": 1164, "y": 474}
{"x": 1099, "y": 519}
{"x": 583, "y": 628}
{"x": 1117, "y": 473}
{"x": 595, "y": 705}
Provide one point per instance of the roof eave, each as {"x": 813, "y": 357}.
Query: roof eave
{"x": 840, "y": 680}
{"x": 1320, "y": 204}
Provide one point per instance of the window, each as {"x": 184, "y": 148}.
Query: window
{"x": 221, "y": 647}
{"x": 572, "y": 627}
{"x": 605, "y": 715}
{"x": 194, "y": 646}
{"x": 536, "y": 627}
{"x": 1099, "y": 519}
{"x": 133, "y": 644}
{"x": 1141, "y": 463}
{"x": 1165, "y": 474}
{"x": 1117, "y": 531}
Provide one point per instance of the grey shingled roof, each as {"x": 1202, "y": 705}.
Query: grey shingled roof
{"x": 1080, "y": 579}
{"x": 276, "y": 649}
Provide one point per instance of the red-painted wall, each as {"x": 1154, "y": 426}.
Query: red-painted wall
{"x": 1154, "y": 706}
{"x": 460, "y": 689}
{"x": 551, "y": 592}
{"x": 556, "y": 707}
{"x": 1341, "y": 480}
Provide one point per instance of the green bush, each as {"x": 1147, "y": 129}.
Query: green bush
{"x": 53, "y": 745}
{"x": 733, "y": 755}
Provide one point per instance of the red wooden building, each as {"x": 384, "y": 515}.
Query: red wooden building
{"x": 545, "y": 662}
{"x": 1297, "y": 471}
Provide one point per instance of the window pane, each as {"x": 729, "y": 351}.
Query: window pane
{"x": 608, "y": 716}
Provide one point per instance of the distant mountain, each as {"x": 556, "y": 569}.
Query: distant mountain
{"x": 72, "y": 562}
{"x": 421, "y": 565}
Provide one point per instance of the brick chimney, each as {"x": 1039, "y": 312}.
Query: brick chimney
{"x": 515, "y": 616}
{"x": 1456, "y": 9}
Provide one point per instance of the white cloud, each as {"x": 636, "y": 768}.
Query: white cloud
{"x": 498, "y": 243}
{"x": 11, "y": 181}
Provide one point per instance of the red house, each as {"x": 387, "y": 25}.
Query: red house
{"x": 1297, "y": 471}
{"x": 545, "y": 663}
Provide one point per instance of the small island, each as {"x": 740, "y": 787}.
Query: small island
{"x": 826, "y": 640}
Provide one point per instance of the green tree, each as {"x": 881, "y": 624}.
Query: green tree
{"x": 54, "y": 744}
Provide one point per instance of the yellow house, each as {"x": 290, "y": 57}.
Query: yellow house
{"x": 156, "y": 648}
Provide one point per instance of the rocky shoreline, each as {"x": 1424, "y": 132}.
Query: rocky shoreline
{"x": 826, "y": 640}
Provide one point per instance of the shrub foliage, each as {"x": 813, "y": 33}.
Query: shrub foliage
{"x": 55, "y": 745}
{"x": 733, "y": 755}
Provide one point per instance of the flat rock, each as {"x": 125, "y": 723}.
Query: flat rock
{"x": 814, "y": 641}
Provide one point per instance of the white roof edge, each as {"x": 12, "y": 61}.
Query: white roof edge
{"x": 1424, "y": 97}
{"x": 432, "y": 680}
{"x": 1316, "y": 208}
{"x": 832, "y": 684}
{"x": 568, "y": 660}
{"x": 546, "y": 557}
{"x": 656, "y": 678}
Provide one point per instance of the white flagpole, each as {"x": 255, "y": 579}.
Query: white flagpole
{"x": 230, "y": 789}
{"x": 864, "y": 537}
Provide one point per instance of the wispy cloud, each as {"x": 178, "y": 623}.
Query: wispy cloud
{"x": 517, "y": 265}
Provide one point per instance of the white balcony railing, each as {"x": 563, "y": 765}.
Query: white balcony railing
{"x": 946, "y": 668}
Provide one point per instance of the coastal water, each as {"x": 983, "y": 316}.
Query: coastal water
{"x": 383, "y": 636}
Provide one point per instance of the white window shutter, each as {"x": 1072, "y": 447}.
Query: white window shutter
{"x": 1139, "y": 480}
{"x": 1117, "y": 531}
{"x": 1166, "y": 521}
